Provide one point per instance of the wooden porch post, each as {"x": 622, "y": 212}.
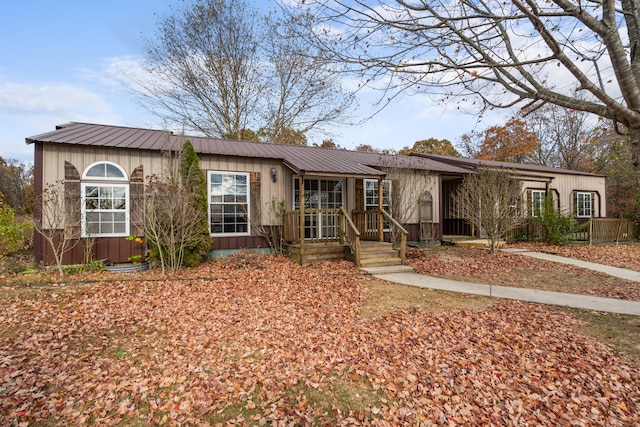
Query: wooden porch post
{"x": 380, "y": 222}
{"x": 301, "y": 200}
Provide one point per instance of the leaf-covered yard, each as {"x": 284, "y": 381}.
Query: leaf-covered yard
{"x": 508, "y": 269}
{"x": 253, "y": 340}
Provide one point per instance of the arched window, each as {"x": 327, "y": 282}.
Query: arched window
{"x": 105, "y": 201}
{"x": 105, "y": 170}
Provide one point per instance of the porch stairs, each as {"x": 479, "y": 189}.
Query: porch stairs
{"x": 376, "y": 254}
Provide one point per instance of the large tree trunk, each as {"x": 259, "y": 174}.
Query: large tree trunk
{"x": 634, "y": 137}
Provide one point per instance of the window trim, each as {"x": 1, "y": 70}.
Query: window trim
{"x": 541, "y": 205}
{"x": 83, "y": 196}
{"x": 210, "y": 173}
{"x": 319, "y": 181}
{"x": 375, "y": 181}
{"x": 389, "y": 209}
{"x": 104, "y": 178}
{"x": 577, "y": 211}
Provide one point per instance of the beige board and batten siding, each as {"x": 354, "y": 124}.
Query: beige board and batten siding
{"x": 154, "y": 163}
{"x": 565, "y": 185}
{"x": 416, "y": 183}
{"x": 568, "y": 184}
{"x": 55, "y": 155}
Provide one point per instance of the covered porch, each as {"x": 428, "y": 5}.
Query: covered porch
{"x": 368, "y": 237}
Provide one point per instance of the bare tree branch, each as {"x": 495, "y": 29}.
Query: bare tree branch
{"x": 485, "y": 54}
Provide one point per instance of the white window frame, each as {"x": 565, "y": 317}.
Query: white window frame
{"x": 105, "y": 178}
{"x": 296, "y": 196}
{"x": 210, "y": 203}
{"x": 537, "y": 210}
{"x": 104, "y": 182}
{"x": 580, "y": 205}
{"x": 386, "y": 201}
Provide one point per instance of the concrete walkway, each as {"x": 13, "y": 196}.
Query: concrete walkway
{"x": 611, "y": 305}
{"x": 621, "y": 273}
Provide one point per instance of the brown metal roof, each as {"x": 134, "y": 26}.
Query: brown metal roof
{"x": 301, "y": 159}
{"x": 473, "y": 164}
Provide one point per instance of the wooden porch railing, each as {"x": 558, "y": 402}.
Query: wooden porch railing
{"x": 333, "y": 225}
{"x": 320, "y": 225}
{"x": 597, "y": 230}
{"x": 350, "y": 235}
{"x": 396, "y": 229}
{"x": 611, "y": 230}
{"x": 367, "y": 223}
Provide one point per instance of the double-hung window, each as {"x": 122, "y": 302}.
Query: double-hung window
{"x": 228, "y": 203}
{"x": 371, "y": 194}
{"x": 584, "y": 205}
{"x": 371, "y": 197}
{"x": 105, "y": 201}
{"x": 537, "y": 202}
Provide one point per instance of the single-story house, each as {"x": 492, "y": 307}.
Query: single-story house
{"x": 331, "y": 196}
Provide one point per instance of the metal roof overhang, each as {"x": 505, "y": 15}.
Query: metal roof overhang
{"x": 341, "y": 173}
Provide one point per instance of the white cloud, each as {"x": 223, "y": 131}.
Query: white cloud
{"x": 28, "y": 109}
{"x": 52, "y": 99}
{"x": 117, "y": 72}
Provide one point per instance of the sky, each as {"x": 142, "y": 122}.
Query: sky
{"x": 61, "y": 62}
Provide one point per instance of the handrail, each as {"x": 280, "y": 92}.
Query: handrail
{"x": 393, "y": 221}
{"x": 351, "y": 235}
{"x": 349, "y": 221}
{"x": 403, "y": 235}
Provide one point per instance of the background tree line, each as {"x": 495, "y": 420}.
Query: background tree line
{"x": 16, "y": 201}
{"x": 16, "y": 185}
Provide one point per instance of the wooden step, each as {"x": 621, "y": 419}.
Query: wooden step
{"x": 389, "y": 269}
{"x": 380, "y": 262}
{"x": 376, "y": 254}
{"x": 389, "y": 253}
{"x": 374, "y": 246}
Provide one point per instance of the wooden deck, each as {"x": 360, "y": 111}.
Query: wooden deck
{"x": 316, "y": 252}
{"x": 331, "y": 234}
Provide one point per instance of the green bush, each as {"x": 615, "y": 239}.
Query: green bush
{"x": 14, "y": 235}
{"x": 557, "y": 227}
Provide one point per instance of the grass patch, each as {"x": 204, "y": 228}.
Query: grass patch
{"x": 621, "y": 332}
{"x": 385, "y": 297}
{"x": 349, "y": 396}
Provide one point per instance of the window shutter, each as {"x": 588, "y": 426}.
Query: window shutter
{"x": 136, "y": 196}
{"x": 72, "y": 199}
{"x": 256, "y": 200}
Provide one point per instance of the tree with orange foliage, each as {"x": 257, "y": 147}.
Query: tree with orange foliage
{"x": 513, "y": 142}
{"x": 287, "y": 136}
